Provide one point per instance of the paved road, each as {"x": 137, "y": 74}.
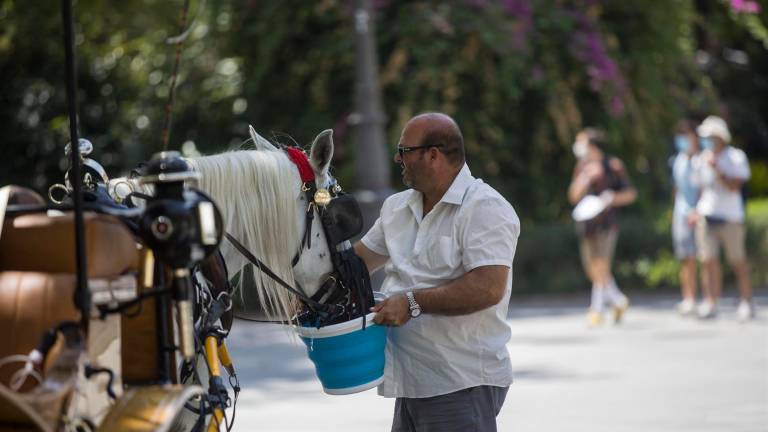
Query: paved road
{"x": 655, "y": 372}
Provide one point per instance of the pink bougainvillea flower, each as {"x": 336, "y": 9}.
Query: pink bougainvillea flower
{"x": 746, "y": 6}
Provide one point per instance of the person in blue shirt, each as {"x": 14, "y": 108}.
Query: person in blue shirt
{"x": 683, "y": 221}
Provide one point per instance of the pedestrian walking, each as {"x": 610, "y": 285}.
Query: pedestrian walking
{"x": 601, "y": 181}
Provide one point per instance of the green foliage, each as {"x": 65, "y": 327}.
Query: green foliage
{"x": 547, "y": 259}
{"x": 757, "y": 239}
{"x": 521, "y": 77}
{"x": 758, "y": 183}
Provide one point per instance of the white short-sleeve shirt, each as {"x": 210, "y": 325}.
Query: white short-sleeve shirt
{"x": 471, "y": 226}
{"x": 716, "y": 199}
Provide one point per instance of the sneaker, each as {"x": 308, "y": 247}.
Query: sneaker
{"x": 686, "y": 307}
{"x": 706, "y": 310}
{"x": 619, "y": 310}
{"x": 745, "y": 311}
{"x": 594, "y": 318}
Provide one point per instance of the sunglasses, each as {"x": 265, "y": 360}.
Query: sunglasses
{"x": 403, "y": 150}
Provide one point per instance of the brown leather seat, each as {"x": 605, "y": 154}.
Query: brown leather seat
{"x": 37, "y": 280}
{"x": 30, "y": 304}
{"x": 37, "y": 242}
{"x": 37, "y": 272}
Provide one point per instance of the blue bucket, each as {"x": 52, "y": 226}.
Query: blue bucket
{"x": 348, "y": 359}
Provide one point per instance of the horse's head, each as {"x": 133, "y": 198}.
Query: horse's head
{"x": 314, "y": 260}
{"x": 261, "y": 195}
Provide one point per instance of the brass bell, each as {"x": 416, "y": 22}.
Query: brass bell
{"x": 322, "y": 197}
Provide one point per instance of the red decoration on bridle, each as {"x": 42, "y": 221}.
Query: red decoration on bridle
{"x": 300, "y": 159}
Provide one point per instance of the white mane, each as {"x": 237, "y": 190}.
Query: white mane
{"x": 256, "y": 191}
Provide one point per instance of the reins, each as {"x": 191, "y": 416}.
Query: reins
{"x": 320, "y": 308}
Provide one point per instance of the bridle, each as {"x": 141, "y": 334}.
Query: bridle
{"x": 341, "y": 219}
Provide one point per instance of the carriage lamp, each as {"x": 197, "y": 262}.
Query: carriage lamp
{"x": 182, "y": 226}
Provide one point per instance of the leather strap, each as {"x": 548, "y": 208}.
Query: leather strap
{"x": 321, "y": 309}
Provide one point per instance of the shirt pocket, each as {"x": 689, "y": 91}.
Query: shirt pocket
{"x": 442, "y": 254}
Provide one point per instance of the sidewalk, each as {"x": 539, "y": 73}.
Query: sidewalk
{"x": 655, "y": 372}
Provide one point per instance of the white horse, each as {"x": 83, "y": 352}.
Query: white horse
{"x": 259, "y": 193}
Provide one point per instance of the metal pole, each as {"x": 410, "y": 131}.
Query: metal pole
{"x": 372, "y": 161}
{"x": 82, "y": 296}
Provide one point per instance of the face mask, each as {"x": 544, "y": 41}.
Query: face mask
{"x": 681, "y": 143}
{"x": 707, "y": 143}
{"x": 579, "y": 149}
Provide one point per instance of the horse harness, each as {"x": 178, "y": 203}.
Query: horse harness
{"x": 346, "y": 294}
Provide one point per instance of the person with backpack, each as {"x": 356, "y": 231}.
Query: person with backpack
{"x": 720, "y": 216}
{"x": 605, "y": 177}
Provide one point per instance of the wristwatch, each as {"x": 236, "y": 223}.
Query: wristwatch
{"x": 412, "y": 305}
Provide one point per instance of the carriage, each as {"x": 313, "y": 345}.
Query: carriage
{"x": 118, "y": 297}
{"x": 140, "y": 278}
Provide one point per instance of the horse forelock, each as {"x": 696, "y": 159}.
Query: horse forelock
{"x": 257, "y": 193}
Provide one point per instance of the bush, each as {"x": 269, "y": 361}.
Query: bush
{"x": 757, "y": 240}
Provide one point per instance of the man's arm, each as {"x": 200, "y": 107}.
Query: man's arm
{"x": 734, "y": 175}
{"x": 478, "y": 289}
{"x": 372, "y": 260}
{"x": 731, "y": 183}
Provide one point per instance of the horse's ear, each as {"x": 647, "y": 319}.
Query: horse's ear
{"x": 321, "y": 153}
{"x": 259, "y": 141}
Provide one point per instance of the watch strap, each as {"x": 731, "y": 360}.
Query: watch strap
{"x": 412, "y": 304}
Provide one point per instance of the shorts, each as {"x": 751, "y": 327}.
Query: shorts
{"x": 683, "y": 237}
{"x": 471, "y": 409}
{"x": 601, "y": 244}
{"x": 710, "y": 235}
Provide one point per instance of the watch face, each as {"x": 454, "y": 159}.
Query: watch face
{"x": 415, "y": 312}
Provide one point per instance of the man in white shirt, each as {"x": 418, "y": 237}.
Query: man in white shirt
{"x": 722, "y": 172}
{"x": 447, "y": 246}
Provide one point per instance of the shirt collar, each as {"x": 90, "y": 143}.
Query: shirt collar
{"x": 455, "y": 193}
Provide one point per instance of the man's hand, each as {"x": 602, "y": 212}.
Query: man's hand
{"x": 710, "y": 159}
{"x": 393, "y": 311}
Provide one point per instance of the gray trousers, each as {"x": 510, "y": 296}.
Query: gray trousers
{"x": 470, "y": 410}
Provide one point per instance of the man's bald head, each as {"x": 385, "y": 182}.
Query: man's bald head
{"x": 441, "y": 131}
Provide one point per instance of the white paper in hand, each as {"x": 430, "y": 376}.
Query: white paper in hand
{"x": 588, "y": 208}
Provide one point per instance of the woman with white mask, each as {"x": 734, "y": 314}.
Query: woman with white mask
{"x": 602, "y": 180}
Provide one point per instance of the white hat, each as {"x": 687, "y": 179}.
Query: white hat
{"x": 714, "y": 125}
